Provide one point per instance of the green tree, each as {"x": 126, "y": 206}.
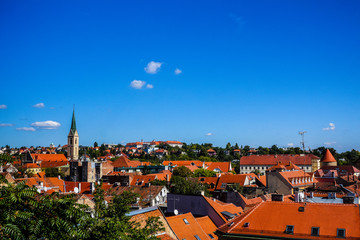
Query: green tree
{"x": 189, "y": 186}
{"x": 182, "y": 171}
{"x": 204, "y": 173}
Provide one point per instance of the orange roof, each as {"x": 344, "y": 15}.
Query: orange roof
{"x": 298, "y": 178}
{"x": 123, "y": 161}
{"x": 49, "y": 157}
{"x": 211, "y": 150}
{"x": 185, "y": 226}
{"x": 222, "y": 166}
{"x": 281, "y": 167}
{"x": 84, "y": 186}
{"x": 51, "y": 164}
{"x": 162, "y": 176}
{"x": 220, "y": 206}
{"x": 271, "y": 219}
{"x": 183, "y": 163}
{"x": 207, "y": 225}
{"x": 328, "y": 157}
{"x": 31, "y": 165}
{"x": 141, "y": 180}
{"x": 273, "y": 159}
{"x": 227, "y": 178}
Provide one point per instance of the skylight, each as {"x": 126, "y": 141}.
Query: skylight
{"x": 197, "y": 237}
{"x": 315, "y": 231}
{"x": 289, "y": 229}
{"x": 340, "y": 233}
{"x": 186, "y": 221}
{"x": 211, "y": 236}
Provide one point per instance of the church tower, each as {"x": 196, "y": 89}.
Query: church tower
{"x": 73, "y": 141}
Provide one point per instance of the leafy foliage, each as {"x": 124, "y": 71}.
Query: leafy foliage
{"x": 26, "y": 214}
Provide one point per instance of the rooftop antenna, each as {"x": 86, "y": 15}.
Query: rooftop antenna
{"x": 302, "y": 140}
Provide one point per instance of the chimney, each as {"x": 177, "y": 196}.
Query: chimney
{"x": 167, "y": 178}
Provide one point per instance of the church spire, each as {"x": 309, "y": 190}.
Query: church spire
{"x": 73, "y": 123}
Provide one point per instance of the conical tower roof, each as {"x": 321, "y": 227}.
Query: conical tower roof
{"x": 73, "y": 124}
{"x": 328, "y": 157}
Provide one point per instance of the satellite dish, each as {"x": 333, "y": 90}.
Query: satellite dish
{"x": 176, "y": 212}
{"x": 76, "y": 189}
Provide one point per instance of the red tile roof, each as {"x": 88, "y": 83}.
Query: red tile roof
{"x": 271, "y": 219}
{"x": 141, "y": 180}
{"x": 123, "y": 161}
{"x": 298, "y": 178}
{"x": 328, "y": 157}
{"x": 220, "y": 207}
{"x": 227, "y": 178}
{"x": 273, "y": 159}
{"x": 49, "y": 157}
{"x": 183, "y": 163}
{"x": 207, "y": 225}
{"x": 222, "y": 166}
{"x": 31, "y": 165}
{"x": 186, "y": 230}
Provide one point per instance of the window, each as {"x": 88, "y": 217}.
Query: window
{"x": 247, "y": 224}
{"x": 289, "y": 229}
{"x": 340, "y": 233}
{"x": 186, "y": 221}
{"x": 197, "y": 237}
{"x": 315, "y": 231}
{"x": 223, "y": 185}
{"x": 211, "y": 236}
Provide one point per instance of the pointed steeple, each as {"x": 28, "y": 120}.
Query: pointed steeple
{"x": 328, "y": 157}
{"x": 73, "y": 123}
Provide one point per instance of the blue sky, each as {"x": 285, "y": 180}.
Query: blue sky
{"x": 252, "y": 72}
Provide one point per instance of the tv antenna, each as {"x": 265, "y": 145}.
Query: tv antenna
{"x": 302, "y": 140}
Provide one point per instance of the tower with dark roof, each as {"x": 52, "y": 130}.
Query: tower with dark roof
{"x": 73, "y": 140}
{"x": 328, "y": 159}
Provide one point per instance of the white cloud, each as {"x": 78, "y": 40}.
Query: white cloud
{"x": 209, "y": 134}
{"x": 330, "y": 128}
{"x": 153, "y": 67}
{"x": 3, "y": 106}
{"x": 46, "y": 125}
{"x": 290, "y": 144}
{"x": 39, "y": 105}
{"x": 137, "y": 84}
{"x": 177, "y": 71}
{"x": 149, "y": 86}
{"x": 6, "y": 125}
{"x": 329, "y": 143}
{"x": 27, "y": 129}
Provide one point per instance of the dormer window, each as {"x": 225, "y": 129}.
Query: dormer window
{"x": 340, "y": 233}
{"x": 289, "y": 229}
{"x": 315, "y": 231}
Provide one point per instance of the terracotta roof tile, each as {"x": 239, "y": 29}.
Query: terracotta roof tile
{"x": 273, "y": 159}
{"x": 328, "y": 217}
{"x": 185, "y": 226}
{"x": 328, "y": 157}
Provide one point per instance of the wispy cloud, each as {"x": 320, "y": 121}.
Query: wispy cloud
{"x": 137, "y": 84}
{"x": 239, "y": 20}
{"x": 46, "y": 125}
{"x": 153, "y": 67}
{"x": 290, "y": 144}
{"x": 149, "y": 86}
{"x": 39, "y": 105}
{"x": 330, "y": 128}
{"x": 3, "y": 106}
{"x": 6, "y": 125}
{"x": 177, "y": 71}
{"x": 329, "y": 143}
{"x": 27, "y": 129}
{"x": 209, "y": 134}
